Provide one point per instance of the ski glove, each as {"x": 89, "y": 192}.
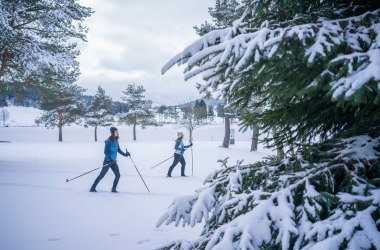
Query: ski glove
{"x": 128, "y": 154}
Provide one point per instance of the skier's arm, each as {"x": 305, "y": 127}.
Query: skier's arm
{"x": 188, "y": 146}
{"x": 122, "y": 153}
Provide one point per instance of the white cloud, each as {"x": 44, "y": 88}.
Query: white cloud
{"x": 129, "y": 42}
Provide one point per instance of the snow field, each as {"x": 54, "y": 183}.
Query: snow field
{"x": 41, "y": 211}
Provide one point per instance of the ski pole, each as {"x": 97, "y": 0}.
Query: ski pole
{"x": 192, "y": 162}
{"x": 67, "y": 180}
{"x": 162, "y": 162}
{"x": 139, "y": 173}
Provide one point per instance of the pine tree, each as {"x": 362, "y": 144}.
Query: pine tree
{"x": 200, "y": 110}
{"x": 37, "y": 36}
{"x": 100, "y": 111}
{"x": 140, "y": 112}
{"x": 210, "y": 113}
{"x": 223, "y": 14}
{"x": 62, "y": 101}
{"x": 220, "y": 110}
{"x": 161, "y": 111}
{"x": 293, "y": 59}
{"x": 314, "y": 66}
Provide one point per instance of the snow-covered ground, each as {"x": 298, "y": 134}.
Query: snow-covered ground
{"x": 39, "y": 210}
{"x": 21, "y": 116}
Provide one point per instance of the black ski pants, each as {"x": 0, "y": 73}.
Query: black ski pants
{"x": 178, "y": 158}
{"x": 106, "y": 166}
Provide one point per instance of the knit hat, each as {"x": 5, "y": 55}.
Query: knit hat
{"x": 179, "y": 134}
{"x": 112, "y": 130}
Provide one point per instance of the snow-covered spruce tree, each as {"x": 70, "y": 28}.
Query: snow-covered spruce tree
{"x": 315, "y": 66}
{"x": 62, "y": 101}
{"x": 328, "y": 200}
{"x": 36, "y": 36}
{"x": 140, "y": 109}
{"x": 223, "y": 14}
{"x": 100, "y": 112}
{"x": 301, "y": 58}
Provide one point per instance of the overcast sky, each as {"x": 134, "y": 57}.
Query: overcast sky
{"x": 130, "y": 40}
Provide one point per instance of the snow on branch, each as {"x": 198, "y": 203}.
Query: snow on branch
{"x": 223, "y": 55}
{"x": 295, "y": 204}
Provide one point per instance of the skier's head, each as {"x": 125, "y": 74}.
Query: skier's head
{"x": 114, "y": 133}
{"x": 180, "y": 135}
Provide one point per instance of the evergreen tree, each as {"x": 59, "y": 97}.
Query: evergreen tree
{"x": 140, "y": 112}
{"x": 173, "y": 113}
{"x": 62, "y": 101}
{"x": 210, "y": 113}
{"x": 220, "y": 110}
{"x": 314, "y": 65}
{"x": 161, "y": 111}
{"x": 200, "y": 110}
{"x": 120, "y": 107}
{"x": 37, "y": 36}
{"x": 293, "y": 59}
{"x": 3, "y": 101}
{"x": 100, "y": 111}
{"x": 223, "y": 14}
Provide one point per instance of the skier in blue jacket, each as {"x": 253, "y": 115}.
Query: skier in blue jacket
{"x": 178, "y": 154}
{"x": 110, "y": 151}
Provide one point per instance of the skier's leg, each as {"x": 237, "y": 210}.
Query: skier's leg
{"x": 101, "y": 175}
{"x": 115, "y": 169}
{"x": 177, "y": 157}
{"x": 183, "y": 163}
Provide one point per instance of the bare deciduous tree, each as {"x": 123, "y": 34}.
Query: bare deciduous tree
{"x": 4, "y": 115}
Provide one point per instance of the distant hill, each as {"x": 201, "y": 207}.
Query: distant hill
{"x": 209, "y": 102}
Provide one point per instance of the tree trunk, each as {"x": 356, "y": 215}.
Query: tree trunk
{"x": 60, "y": 125}
{"x": 255, "y": 137}
{"x": 191, "y": 135}
{"x": 227, "y": 129}
{"x": 96, "y": 133}
{"x": 134, "y": 131}
{"x": 279, "y": 146}
{"x": 4, "y": 61}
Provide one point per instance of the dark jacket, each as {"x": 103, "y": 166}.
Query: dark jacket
{"x": 179, "y": 147}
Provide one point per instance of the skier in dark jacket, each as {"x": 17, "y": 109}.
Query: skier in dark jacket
{"x": 178, "y": 154}
{"x": 110, "y": 150}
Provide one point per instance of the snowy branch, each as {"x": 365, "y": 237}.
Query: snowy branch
{"x": 251, "y": 207}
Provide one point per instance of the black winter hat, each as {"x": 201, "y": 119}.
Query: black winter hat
{"x": 113, "y": 129}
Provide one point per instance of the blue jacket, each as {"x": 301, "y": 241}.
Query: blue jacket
{"x": 110, "y": 150}
{"x": 179, "y": 147}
